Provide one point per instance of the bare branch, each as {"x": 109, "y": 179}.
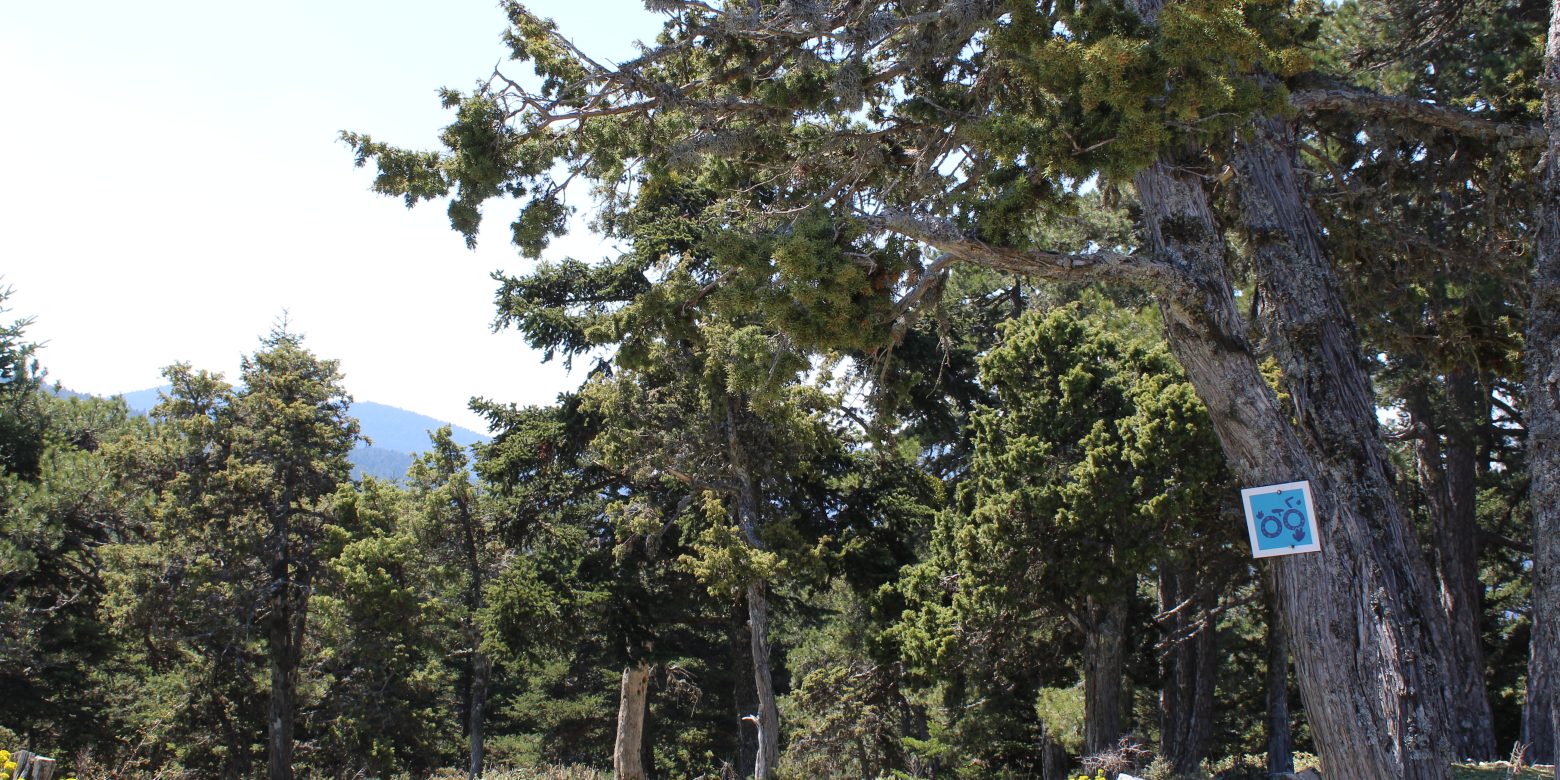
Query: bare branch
{"x": 930, "y": 278}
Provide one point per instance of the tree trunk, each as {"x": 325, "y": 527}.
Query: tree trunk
{"x": 1364, "y": 661}
{"x": 1280, "y": 739}
{"x": 1537, "y": 727}
{"x": 481, "y": 673}
{"x": 768, "y": 711}
{"x": 1447, "y": 478}
{"x": 743, "y": 692}
{"x": 1189, "y": 666}
{"x": 1053, "y": 758}
{"x": 1404, "y": 636}
{"x": 627, "y": 751}
{"x": 283, "y": 699}
{"x": 1104, "y": 659}
{"x": 288, "y": 601}
{"x": 748, "y": 518}
{"x": 481, "y": 667}
{"x": 1543, "y": 388}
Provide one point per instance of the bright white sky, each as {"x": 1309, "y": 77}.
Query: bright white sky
{"x": 173, "y": 182}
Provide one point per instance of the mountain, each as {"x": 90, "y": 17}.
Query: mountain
{"x": 399, "y": 429}
{"x": 395, "y": 434}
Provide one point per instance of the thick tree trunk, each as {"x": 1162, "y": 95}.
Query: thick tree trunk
{"x": 481, "y": 673}
{"x": 1335, "y": 407}
{"x": 627, "y": 751}
{"x": 1189, "y": 666}
{"x": 1447, "y": 476}
{"x": 1543, "y": 388}
{"x": 1280, "y": 739}
{"x": 279, "y": 733}
{"x": 1366, "y": 664}
{"x": 1104, "y": 659}
{"x": 1537, "y": 727}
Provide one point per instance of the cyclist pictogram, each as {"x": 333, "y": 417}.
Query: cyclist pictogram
{"x": 1290, "y": 517}
{"x": 1281, "y": 519}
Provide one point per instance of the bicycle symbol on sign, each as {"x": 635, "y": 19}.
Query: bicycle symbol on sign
{"x": 1281, "y": 519}
{"x": 1289, "y": 517}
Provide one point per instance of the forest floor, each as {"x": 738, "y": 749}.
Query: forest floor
{"x": 1499, "y": 770}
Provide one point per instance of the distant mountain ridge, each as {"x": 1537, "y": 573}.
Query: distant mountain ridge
{"x": 394, "y": 434}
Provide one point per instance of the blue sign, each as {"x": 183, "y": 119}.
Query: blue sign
{"x": 1281, "y": 519}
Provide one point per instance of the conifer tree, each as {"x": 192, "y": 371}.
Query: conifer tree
{"x": 1081, "y": 485}
{"x": 244, "y": 478}
{"x": 896, "y": 141}
{"x": 459, "y": 535}
{"x": 386, "y": 685}
{"x": 55, "y": 526}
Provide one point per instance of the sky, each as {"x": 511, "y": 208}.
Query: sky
{"x": 174, "y": 184}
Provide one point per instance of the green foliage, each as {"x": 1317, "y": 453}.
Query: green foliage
{"x": 241, "y": 483}
{"x": 1106, "y": 93}
{"x": 1061, "y": 710}
{"x": 1083, "y": 477}
{"x": 384, "y": 686}
{"x": 22, "y": 421}
{"x": 54, "y": 525}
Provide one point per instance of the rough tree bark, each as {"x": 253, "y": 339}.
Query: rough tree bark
{"x": 1280, "y": 736}
{"x": 1312, "y": 337}
{"x": 1367, "y": 668}
{"x": 1189, "y": 666}
{"x": 1543, "y": 386}
{"x": 1537, "y": 727}
{"x": 1053, "y": 759}
{"x": 627, "y": 753}
{"x": 1104, "y": 658}
{"x": 481, "y": 673}
{"x": 1447, "y": 474}
{"x": 768, "y": 714}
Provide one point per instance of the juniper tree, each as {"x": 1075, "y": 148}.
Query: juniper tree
{"x": 459, "y": 535}
{"x": 384, "y": 687}
{"x": 243, "y": 480}
{"x": 22, "y": 420}
{"x": 55, "y": 524}
{"x": 894, "y": 142}
{"x": 590, "y": 595}
{"x": 1089, "y": 472}
{"x": 1425, "y": 212}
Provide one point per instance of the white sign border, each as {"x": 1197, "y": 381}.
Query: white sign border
{"x": 1304, "y": 487}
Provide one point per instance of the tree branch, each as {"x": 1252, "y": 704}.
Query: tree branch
{"x": 1457, "y": 120}
{"x": 1100, "y": 265}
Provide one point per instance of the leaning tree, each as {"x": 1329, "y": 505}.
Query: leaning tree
{"x": 882, "y": 145}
